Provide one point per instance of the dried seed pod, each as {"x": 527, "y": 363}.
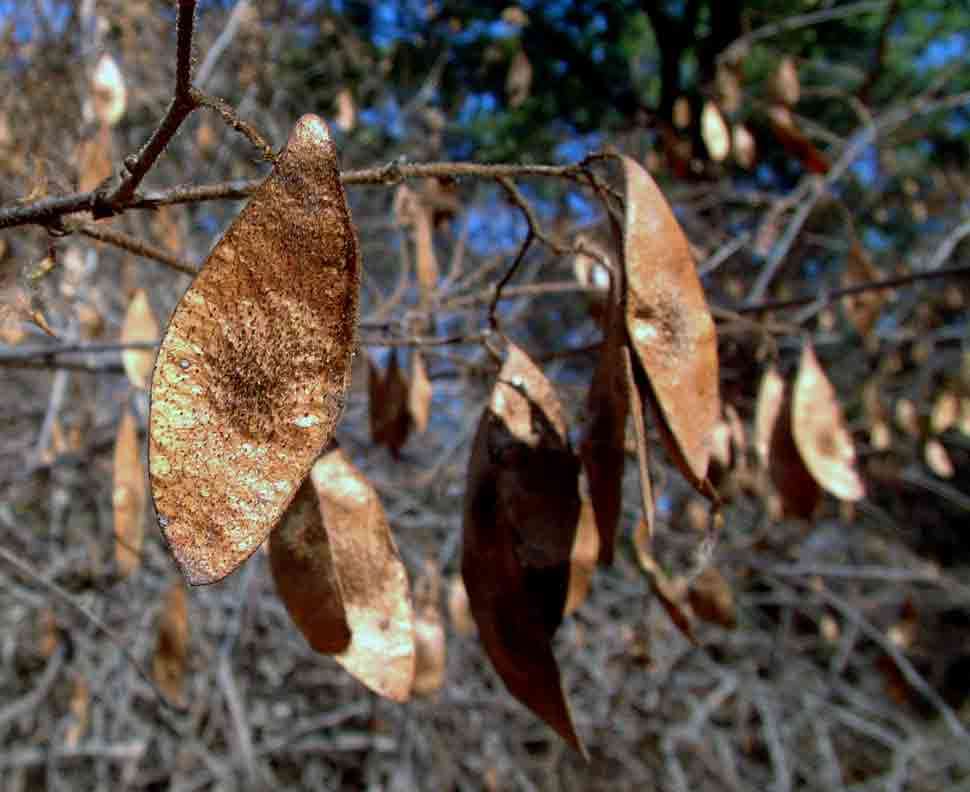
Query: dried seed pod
{"x": 582, "y": 562}
{"x": 419, "y": 393}
{"x": 820, "y": 433}
{"x": 372, "y": 579}
{"x": 744, "y": 147}
{"x": 128, "y": 496}
{"x": 429, "y": 633}
{"x": 108, "y": 92}
{"x": 714, "y": 132}
{"x": 603, "y": 445}
{"x": 140, "y": 326}
{"x": 799, "y": 492}
{"x": 669, "y": 324}
{"x": 170, "y": 662}
{"x": 459, "y": 610}
{"x": 521, "y": 511}
{"x": 306, "y": 579}
{"x": 253, "y": 370}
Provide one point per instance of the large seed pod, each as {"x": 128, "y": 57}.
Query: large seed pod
{"x": 669, "y": 324}
{"x": 520, "y": 517}
{"x": 252, "y": 373}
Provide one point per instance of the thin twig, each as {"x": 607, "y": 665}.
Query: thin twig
{"x": 139, "y": 247}
{"x": 183, "y": 103}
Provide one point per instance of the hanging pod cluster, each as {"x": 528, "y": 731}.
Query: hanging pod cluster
{"x": 530, "y": 543}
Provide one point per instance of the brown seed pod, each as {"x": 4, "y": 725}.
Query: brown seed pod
{"x": 140, "y": 325}
{"x": 799, "y": 492}
{"x": 602, "y": 448}
{"x": 714, "y": 132}
{"x": 306, "y": 580}
{"x": 372, "y": 578}
{"x": 669, "y": 324}
{"x": 170, "y": 662}
{"x": 128, "y": 496}
{"x": 820, "y": 432}
{"x": 429, "y": 633}
{"x": 521, "y": 511}
{"x": 253, "y": 370}
{"x": 419, "y": 393}
{"x": 582, "y": 563}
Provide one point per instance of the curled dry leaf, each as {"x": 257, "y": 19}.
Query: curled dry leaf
{"x": 429, "y": 633}
{"x": 603, "y": 445}
{"x": 799, "y": 492}
{"x": 170, "y": 662}
{"x": 372, "y": 578}
{"x": 712, "y": 599}
{"x": 419, "y": 393}
{"x": 306, "y": 579}
{"x": 714, "y": 132}
{"x": 108, "y": 94}
{"x": 140, "y": 325}
{"x": 128, "y": 496}
{"x": 459, "y": 610}
{"x": 582, "y": 562}
{"x": 669, "y": 324}
{"x": 820, "y": 433}
{"x": 253, "y": 370}
{"x": 521, "y": 512}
